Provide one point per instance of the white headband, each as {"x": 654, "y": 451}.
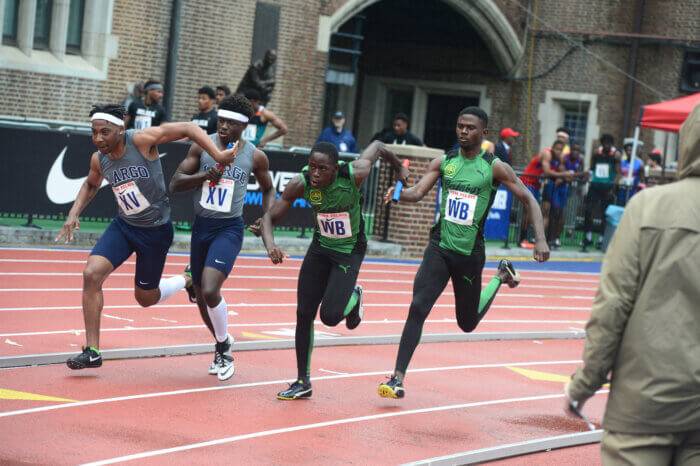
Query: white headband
{"x": 106, "y": 116}
{"x": 229, "y": 115}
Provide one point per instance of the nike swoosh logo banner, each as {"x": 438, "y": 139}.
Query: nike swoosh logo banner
{"x": 42, "y": 173}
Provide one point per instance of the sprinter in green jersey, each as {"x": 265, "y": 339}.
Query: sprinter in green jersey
{"x": 470, "y": 177}
{"x": 329, "y": 272}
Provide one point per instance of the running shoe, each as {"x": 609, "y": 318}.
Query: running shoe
{"x": 297, "y": 390}
{"x": 89, "y": 358}
{"x": 392, "y": 389}
{"x": 526, "y": 244}
{"x": 355, "y": 317}
{"x": 226, "y": 367}
{"x": 190, "y": 289}
{"x": 512, "y": 278}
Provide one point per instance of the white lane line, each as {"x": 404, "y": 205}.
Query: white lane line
{"x": 316, "y": 425}
{"x": 168, "y": 320}
{"x": 282, "y": 324}
{"x": 294, "y": 290}
{"x": 289, "y": 305}
{"x": 332, "y": 372}
{"x": 273, "y": 382}
{"x": 109, "y": 316}
{"x": 278, "y": 277}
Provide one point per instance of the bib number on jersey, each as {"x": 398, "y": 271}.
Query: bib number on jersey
{"x": 250, "y": 132}
{"x": 219, "y": 197}
{"x": 460, "y": 207}
{"x": 130, "y": 199}
{"x": 602, "y": 170}
{"x": 335, "y": 225}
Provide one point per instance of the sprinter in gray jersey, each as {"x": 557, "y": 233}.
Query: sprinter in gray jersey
{"x": 130, "y": 162}
{"x": 217, "y": 233}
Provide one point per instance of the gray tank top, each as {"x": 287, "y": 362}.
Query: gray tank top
{"x": 225, "y": 200}
{"x": 138, "y": 186}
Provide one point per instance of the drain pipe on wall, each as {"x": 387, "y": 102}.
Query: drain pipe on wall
{"x": 632, "y": 68}
{"x": 171, "y": 67}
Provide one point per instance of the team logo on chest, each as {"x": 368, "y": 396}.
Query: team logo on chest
{"x": 450, "y": 170}
{"x": 315, "y": 196}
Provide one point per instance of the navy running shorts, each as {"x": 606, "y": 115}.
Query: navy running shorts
{"x": 535, "y": 192}
{"x": 151, "y": 246}
{"x": 216, "y": 243}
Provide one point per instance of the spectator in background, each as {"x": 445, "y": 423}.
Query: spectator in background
{"x": 573, "y": 164}
{"x": 206, "y": 118}
{"x": 626, "y": 191}
{"x": 149, "y": 112}
{"x": 338, "y": 135}
{"x": 135, "y": 91}
{"x": 564, "y": 135}
{"x": 654, "y": 162}
{"x": 399, "y": 133}
{"x": 222, "y": 92}
{"x": 257, "y": 125}
{"x": 605, "y": 165}
{"x": 655, "y": 158}
{"x": 502, "y": 149}
{"x": 645, "y": 324}
{"x": 541, "y": 164}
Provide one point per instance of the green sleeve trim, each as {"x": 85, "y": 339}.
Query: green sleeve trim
{"x": 303, "y": 175}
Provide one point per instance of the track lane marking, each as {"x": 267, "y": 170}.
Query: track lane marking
{"x": 274, "y": 382}
{"x": 350, "y": 420}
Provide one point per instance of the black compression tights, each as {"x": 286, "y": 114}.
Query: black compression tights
{"x": 471, "y": 303}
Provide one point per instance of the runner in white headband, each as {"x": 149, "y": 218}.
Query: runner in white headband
{"x": 106, "y": 116}
{"x": 229, "y": 115}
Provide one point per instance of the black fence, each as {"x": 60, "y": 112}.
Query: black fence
{"x": 570, "y": 224}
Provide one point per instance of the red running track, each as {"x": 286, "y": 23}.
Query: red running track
{"x": 41, "y": 294}
{"x": 460, "y": 396}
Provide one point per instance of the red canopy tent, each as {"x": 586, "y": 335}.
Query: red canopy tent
{"x": 669, "y": 115}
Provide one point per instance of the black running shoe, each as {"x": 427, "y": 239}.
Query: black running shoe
{"x": 89, "y": 358}
{"x": 512, "y": 279}
{"x": 190, "y": 289}
{"x": 392, "y": 389}
{"x": 355, "y": 317}
{"x": 297, "y": 390}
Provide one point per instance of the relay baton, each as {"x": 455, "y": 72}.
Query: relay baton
{"x": 574, "y": 405}
{"x": 219, "y": 166}
{"x": 399, "y": 184}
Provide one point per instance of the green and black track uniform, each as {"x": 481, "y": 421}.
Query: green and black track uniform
{"x": 329, "y": 272}
{"x": 455, "y": 250}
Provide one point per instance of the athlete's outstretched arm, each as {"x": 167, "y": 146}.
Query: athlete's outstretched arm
{"x": 293, "y": 191}
{"x": 419, "y": 190}
{"x": 147, "y": 139}
{"x": 504, "y": 174}
{"x": 261, "y": 170}
{"x": 363, "y": 165}
{"x": 87, "y": 191}
{"x": 187, "y": 175}
{"x": 277, "y": 123}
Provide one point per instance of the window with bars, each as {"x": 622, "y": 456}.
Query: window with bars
{"x": 9, "y": 22}
{"x": 576, "y": 120}
{"x": 75, "y": 26}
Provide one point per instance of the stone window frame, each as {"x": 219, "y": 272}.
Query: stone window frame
{"x": 551, "y": 116}
{"x": 375, "y": 91}
{"x": 98, "y": 44}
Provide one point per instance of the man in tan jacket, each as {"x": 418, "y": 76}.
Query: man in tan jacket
{"x": 645, "y": 323}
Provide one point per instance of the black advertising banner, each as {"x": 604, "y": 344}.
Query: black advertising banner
{"x": 42, "y": 172}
